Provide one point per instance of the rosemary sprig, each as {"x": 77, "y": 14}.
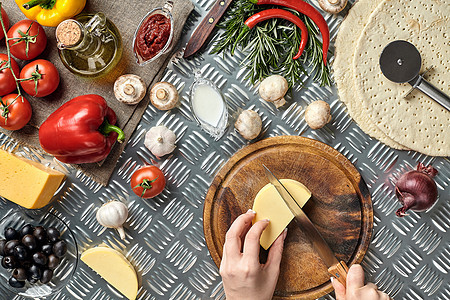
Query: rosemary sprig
{"x": 270, "y": 46}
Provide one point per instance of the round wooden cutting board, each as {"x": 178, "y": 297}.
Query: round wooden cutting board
{"x": 340, "y": 207}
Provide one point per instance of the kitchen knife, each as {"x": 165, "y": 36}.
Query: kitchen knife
{"x": 207, "y": 25}
{"x": 336, "y": 268}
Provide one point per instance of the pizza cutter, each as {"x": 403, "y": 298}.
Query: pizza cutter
{"x": 400, "y": 62}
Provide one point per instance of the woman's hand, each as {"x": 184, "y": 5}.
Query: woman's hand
{"x": 356, "y": 290}
{"x": 244, "y": 278}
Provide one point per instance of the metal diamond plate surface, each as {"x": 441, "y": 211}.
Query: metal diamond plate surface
{"x": 409, "y": 258}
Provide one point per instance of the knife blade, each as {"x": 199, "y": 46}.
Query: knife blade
{"x": 205, "y": 27}
{"x": 336, "y": 268}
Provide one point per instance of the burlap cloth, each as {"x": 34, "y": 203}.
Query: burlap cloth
{"x": 126, "y": 15}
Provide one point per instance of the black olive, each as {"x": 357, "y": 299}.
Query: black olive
{"x": 47, "y": 275}
{"x": 9, "y": 262}
{"x": 60, "y": 248}
{"x": 40, "y": 258}
{"x": 53, "y": 261}
{"x": 40, "y": 234}
{"x": 34, "y": 273}
{"x": 26, "y": 264}
{"x": 53, "y": 234}
{"x": 11, "y": 234}
{"x": 16, "y": 283}
{"x": 2, "y": 247}
{"x": 20, "y": 252}
{"x": 47, "y": 249}
{"x": 26, "y": 229}
{"x": 10, "y": 245}
{"x": 20, "y": 274}
{"x": 29, "y": 241}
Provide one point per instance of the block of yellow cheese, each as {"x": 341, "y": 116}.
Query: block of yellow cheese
{"x": 268, "y": 204}
{"x": 112, "y": 266}
{"x": 26, "y": 182}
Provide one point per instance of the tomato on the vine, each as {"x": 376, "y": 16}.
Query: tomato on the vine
{"x": 6, "y": 22}
{"x": 15, "y": 112}
{"x": 44, "y": 78}
{"x": 23, "y": 33}
{"x": 7, "y": 81}
{"x": 148, "y": 182}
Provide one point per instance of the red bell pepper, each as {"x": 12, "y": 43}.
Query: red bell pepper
{"x": 81, "y": 131}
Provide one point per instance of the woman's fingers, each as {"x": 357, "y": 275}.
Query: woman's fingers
{"x": 251, "y": 242}
{"x": 339, "y": 289}
{"x": 372, "y": 286}
{"x": 355, "y": 277}
{"x": 276, "y": 252}
{"x": 233, "y": 238}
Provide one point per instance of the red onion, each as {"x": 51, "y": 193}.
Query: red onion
{"x": 416, "y": 189}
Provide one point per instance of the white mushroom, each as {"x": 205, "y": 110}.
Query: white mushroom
{"x": 160, "y": 140}
{"x": 317, "y": 114}
{"x": 273, "y": 89}
{"x": 130, "y": 89}
{"x": 164, "y": 95}
{"x": 332, "y": 6}
{"x": 248, "y": 124}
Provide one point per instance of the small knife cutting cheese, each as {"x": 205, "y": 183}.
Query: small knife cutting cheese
{"x": 26, "y": 182}
{"x": 268, "y": 204}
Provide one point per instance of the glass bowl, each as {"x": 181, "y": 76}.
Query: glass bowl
{"x": 67, "y": 267}
{"x": 165, "y": 11}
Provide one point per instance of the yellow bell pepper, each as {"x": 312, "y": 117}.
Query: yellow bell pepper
{"x": 50, "y": 12}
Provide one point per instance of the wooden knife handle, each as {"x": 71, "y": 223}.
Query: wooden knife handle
{"x": 205, "y": 27}
{"x": 339, "y": 272}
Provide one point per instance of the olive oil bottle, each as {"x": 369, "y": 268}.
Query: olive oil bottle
{"x": 89, "y": 45}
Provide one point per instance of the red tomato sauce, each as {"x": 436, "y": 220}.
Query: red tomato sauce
{"x": 152, "y": 36}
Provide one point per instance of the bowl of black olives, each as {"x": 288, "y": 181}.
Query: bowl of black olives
{"x": 38, "y": 252}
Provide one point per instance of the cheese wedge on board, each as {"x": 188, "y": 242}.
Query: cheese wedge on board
{"x": 268, "y": 204}
{"x": 26, "y": 182}
{"x": 112, "y": 266}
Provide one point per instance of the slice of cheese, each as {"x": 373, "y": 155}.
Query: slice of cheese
{"x": 26, "y": 182}
{"x": 112, "y": 266}
{"x": 268, "y": 204}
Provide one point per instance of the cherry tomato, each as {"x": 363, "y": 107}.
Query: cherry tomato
{"x": 45, "y": 78}
{"x": 7, "y": 81}
{"x": 148, "y": 182}
{"x": 6, "y": 22}
{"x": 14, "y": 113}
{"x": 27, "y": 31}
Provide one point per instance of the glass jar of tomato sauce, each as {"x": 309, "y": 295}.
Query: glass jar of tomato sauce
{"x": 154, "y": 35}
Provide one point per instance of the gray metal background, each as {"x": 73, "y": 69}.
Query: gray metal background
{"x": 409, "y": 257}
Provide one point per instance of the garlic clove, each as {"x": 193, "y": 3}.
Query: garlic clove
{"x": 113, "y": 214}
{"x": 160, "y": 140}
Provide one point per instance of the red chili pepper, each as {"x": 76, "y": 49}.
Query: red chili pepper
{"x": 308, "y": 10}
{"x": 283, "y": 14}
{"x": 81, "y": 131}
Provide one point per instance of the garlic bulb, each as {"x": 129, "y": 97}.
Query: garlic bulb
{"x": 112, "y": 215}
{"x": 160, "y": 140}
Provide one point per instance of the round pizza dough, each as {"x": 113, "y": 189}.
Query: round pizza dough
{"x": 417, "y": 122}
{"x": 348, "y": 36}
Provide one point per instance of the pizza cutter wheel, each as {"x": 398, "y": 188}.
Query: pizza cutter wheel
{"x": 400, "y": 62}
